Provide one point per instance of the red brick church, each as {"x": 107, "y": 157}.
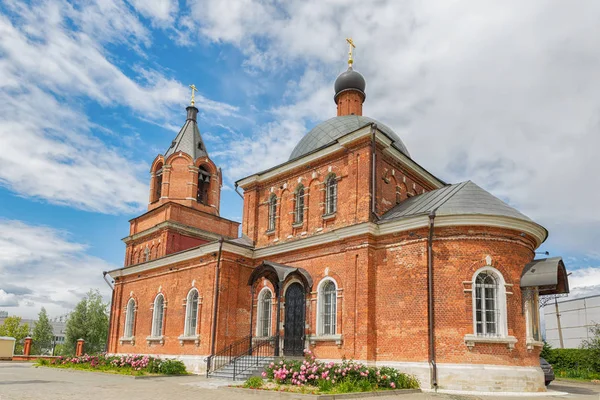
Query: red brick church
{"x": 350, "y": 249}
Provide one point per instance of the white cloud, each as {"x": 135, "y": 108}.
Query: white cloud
{"x": 42, "y": 267}
{"x": 161, "y": 12}
{"x": 52, "y": 57}
{"x": 8, "y": 299}
{"x": 505, "y": 94}
{"x": 585, "y": 282}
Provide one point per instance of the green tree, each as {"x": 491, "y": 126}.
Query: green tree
{"x": 12, "y": 327}
{"x": 42, "y": 334}
{"x": 89, "y": 321}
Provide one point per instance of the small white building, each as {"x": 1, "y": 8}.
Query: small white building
{"x": 575, "y": 317}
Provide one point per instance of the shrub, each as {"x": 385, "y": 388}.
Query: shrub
{"x": 129, "y": 364}
{"x": 253, "y": 382}
{"x": 348, "y": 376}
{"x": 172, "y": 367}
{"x": 573, "y": 359}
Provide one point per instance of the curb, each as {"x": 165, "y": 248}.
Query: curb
{"x": 357, "y": 395}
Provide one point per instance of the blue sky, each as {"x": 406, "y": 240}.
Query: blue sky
{"x": 506, "y": 95}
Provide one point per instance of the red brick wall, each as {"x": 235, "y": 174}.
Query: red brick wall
{"x": 353, "y": 173}
{"x": 350, "y": 103}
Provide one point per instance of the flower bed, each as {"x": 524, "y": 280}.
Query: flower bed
{"x": 126, "y": 365}
{"x": 312, "y": 376}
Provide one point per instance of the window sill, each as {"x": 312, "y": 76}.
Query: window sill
{"x": 530, "y": 344}
{"x": 327, "y": 217}
{"x": 338, "y": 339}
{"x": 269, "y": 233}
{"x": 193, "y": 338}
{"x": 155, "y": 339}
{"x": 472, "y": 340}
{"x": 129, "y": 340}
{"x": 298, "y": 224}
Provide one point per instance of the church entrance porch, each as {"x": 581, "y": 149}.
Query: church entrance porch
{"x": 294, "y": 325}
{"x": 297, "y": 283}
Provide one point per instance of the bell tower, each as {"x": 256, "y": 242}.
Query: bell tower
{"x": 185, "y": 174}
{"x": 184, "y": 201}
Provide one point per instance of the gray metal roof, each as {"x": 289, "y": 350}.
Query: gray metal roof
{"x": 458, "y": 199}
{"x": 549, "y": 274}
{"x": 188, "y": 139}
{"x": 329, "y": 131}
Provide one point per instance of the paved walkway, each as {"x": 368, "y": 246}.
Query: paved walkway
{"x": 21, "y": 381}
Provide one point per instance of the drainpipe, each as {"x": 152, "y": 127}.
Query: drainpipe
{"x": 112, "y": 304}
{"x": 373, "y": 165}
{"x": 235, "y": 187}
{"x": 430, "y": 315}
{"x": 216, "y": 300}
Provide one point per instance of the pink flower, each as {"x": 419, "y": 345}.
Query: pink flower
{"x": 393, "y": 385}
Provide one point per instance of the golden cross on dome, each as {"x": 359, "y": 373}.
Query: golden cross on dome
{"x": 193, "y": 90}
{"x": 351, "y": 47}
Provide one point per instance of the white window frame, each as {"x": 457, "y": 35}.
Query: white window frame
{"x": 321, "y": 305}
{"x": 189, "y": 331}
{"x": 129, "y": 319}
{"x": 331, "y": 199}
{"x": 501, "y": 321}
{"x": 260, "y": 310}
{"x": 155, "y": 319}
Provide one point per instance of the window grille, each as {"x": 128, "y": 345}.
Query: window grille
{"x": 264, "y": 326}
{"x": 299, "y": 205}
{"x": 191, "y": 313}
{"x": 486, "y": 304}
{"x": 272, "y": 212}
{"x": 328, "y": 308}
{"x": 157, "y": 317}
{"x": 331, "y": 195}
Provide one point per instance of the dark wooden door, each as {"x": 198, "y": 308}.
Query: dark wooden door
{"x": 293, "y": 337}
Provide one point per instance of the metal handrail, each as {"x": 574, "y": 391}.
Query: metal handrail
{"x": 227, "y": 354}
{"x": 264, "y": 348}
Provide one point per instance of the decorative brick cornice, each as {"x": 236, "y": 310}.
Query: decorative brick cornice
{"x": 365, "y": 228}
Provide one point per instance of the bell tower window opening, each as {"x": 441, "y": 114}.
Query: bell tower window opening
{"x": 203, "y": 186}
{"x": 158, "y": 184}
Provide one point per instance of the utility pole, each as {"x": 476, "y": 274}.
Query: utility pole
{"x": 560, "y": 337}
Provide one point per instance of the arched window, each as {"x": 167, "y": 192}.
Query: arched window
{"x": 331, "y": 195}
{"x": 158, "y": 183}
{"x": 129, "y": 318}
{"x": 272, "y": 212}
{"x": 146, "y": 254}
{"x": 157, "y": 316}
{"x": 203, "y": 186}
{"x": 191, "y": 313}
{"x": 299, "y": 208}
{"x": 489, "y": 300}
{"x": 263, "y": 327}
{"x": 327, "y": 308}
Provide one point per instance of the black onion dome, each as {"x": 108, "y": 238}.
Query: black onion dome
{"x": 350, "y": 80}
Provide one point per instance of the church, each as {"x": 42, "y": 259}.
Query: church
{"x": 350, "y": 249}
